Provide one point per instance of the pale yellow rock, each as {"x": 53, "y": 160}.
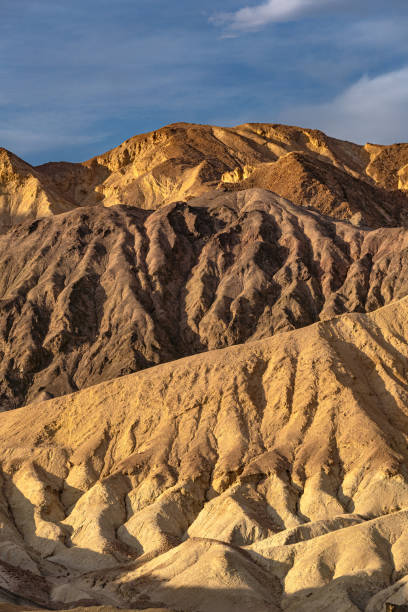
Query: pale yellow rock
{"x": 268, "y": 476}
{"x": 25, "y": 193}
{"x": 403, "y": 178}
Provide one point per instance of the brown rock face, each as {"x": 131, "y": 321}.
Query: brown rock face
{"x": 98, "y": 293}
{"x": 183, "y": 161}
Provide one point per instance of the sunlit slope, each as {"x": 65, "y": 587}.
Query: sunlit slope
{"x": 25, "y": 193}
{"x": 182, "y": 161}
{"x": 271, "y": 475}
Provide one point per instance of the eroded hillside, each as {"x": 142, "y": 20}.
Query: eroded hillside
{"x": 101, "y": 292}
{"x": 182, "y": 161}
{"x": 270, "y": 475}
{"x": 230, "y": 308}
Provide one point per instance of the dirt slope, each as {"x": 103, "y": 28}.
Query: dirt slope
{"x": 268, "y": 476}
{"x": 183, "y": 160}
{"x": 101, "y": 292}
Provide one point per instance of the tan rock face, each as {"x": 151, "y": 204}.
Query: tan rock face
{"x": 98, "y": 293}
{"x": 25, "y": 193}
{"x": 182, "y": 161}
{"x": 270, "y": 475}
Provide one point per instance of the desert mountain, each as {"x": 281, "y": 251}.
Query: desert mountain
{"x": 101, "y": 292}
{"x": 307, "y": 180}
{"x": 268, "y": 476}
{"x": 218, "y": 320}
{"x": 182, "y": 161}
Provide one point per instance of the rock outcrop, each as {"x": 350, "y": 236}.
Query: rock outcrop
{"x": 309, "y": 181}
{"x": 25, "y": 193}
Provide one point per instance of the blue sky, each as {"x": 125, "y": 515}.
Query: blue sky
{"x": 79, "y": 77}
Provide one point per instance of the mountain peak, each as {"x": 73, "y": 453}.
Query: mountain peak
{"x": 182, "y": 161}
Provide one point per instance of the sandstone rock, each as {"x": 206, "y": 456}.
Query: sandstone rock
{"x": 309, "y": 181}
{"x": 25, "y": 193}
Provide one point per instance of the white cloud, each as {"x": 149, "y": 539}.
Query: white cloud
{"x": 371, "y": 110}
{"x": 250, "y": 18}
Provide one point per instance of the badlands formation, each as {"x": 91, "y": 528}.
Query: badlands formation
{"x": 183, "y": 161}
{"x": 204, "y": 375}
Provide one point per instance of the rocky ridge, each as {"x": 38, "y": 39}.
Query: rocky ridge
{"x": 182, "y": 161}
{"x": 101, "y": 292}
{"x": 25, "y": 192}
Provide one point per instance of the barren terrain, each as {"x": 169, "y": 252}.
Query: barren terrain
{"x": 182, "y": 161}
{"x": 101, "y": 292}
{"x": 204, "y": 375}
{"x": 270, "y": 476}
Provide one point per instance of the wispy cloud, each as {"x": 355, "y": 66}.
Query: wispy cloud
{"x": 383, "y": 32}
{"x": 372, "y": 109}
{"x": 72, "y": 97}
{"x": 250, "y": 18}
